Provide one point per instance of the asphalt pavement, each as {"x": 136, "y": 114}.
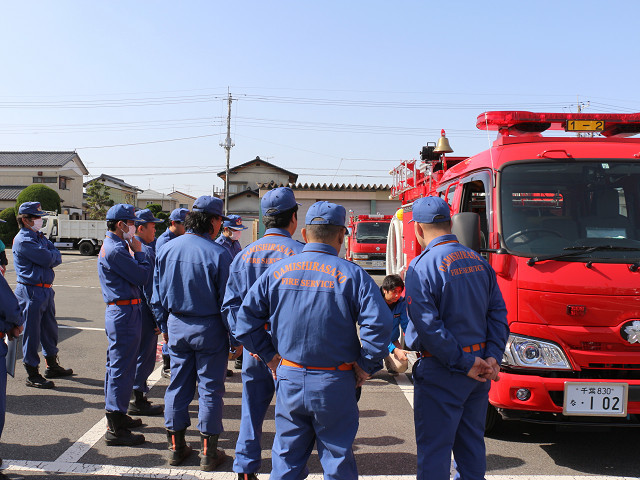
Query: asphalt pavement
{"x": 59, "y": 433}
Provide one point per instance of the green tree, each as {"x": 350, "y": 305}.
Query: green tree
{"x": 161, "y": 227}
{"x": 155, "y": 209}
{"x": 10, "y": 229}
{"x": 98, "y": 200}
{"x": 48, "y": 198}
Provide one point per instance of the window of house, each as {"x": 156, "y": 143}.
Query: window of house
{"x": 183, "y": 205}
{"x": 62, "y": 183}
{"x": 45, "y": 179}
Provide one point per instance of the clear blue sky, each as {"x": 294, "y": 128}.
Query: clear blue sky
{"x": 336, "y": 91}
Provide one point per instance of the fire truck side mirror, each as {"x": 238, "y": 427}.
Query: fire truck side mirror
{"x": 348, "y": 232}
{"x": 466, "y": 226}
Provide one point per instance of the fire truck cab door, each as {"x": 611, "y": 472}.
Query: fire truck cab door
{"x": 476, "y": 196}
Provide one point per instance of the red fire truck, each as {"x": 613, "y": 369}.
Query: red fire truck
{"x": 366, "y": 243}
{"x": 559, "y": 221}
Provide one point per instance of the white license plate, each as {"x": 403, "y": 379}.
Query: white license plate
{"x": 378, "y": 263}
{"x": 603, "y": 399}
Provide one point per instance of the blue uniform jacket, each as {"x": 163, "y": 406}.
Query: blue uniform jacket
{"x": 181, "y": 288}
{"x": 232, "y": 246}
{"x": 454, "y": 301}
{"x": 400, "y": 320}
{"x": 34, "y": 257}
{"x": 146, "y": 290}
{"x": 10, "y": 314}
{"x": 121, "y": 274}
{"x": 164, "y": 238}
{"x": 312, "y": 302}
{"x": 252, "y": 262}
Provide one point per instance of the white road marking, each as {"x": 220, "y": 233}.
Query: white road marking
{"x": 81, "y": 328}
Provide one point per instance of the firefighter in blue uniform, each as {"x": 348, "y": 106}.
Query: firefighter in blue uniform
{"x": 189, "y": 283}
{"x": 122, "y": 275}
{"x": 140, "y": 405}
{"x": 34, "y": 258}
{"x": 280, "y": 217}
{"x": 230, "y": 236}
{"x": 176, "y": 228}
{"x": 11, "y": 326}
{"x": 314, "y": 302}
{"x": 458, "y": 323}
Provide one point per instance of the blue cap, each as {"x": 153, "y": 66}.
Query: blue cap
{"x": 210, "y": 205}
{"x": 326, "y": 213}
{"x": 179, "y": 214}
{"x": 122, "y": 211}
{"x": 277, "y": 201}
{"x": 145, "y": 216}
{"x": 234, "y": 223}
{"x": 31, "y": 208}
{"x": 430, "y": 210}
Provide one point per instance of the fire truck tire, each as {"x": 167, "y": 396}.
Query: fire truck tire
{"x": 86, "y": 248}
{"x": 394, "y": 247}
{"x": 493, "y": 419}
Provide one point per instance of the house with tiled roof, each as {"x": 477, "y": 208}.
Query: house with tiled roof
{"x": 148, "y": 197}
{"x": 119, "y": 190}
{"x": 61, "y": 171}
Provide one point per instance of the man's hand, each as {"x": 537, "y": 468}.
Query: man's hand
{"x": 361, "y": 375}
{"x": 400, "y": 354}
{"x": 495, "y": 369}
{"x": 156, "y": 330}
{"x": 165, "y": 337}
{"x": 273, "y": 364}
{"x": 480, "y": 371}
{"x": 236, "y": 353}
{"x": 15, "y": 332}
{"x": 135, "y": 245}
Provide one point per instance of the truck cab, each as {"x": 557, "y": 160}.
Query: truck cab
{"x": 366, "y": 244}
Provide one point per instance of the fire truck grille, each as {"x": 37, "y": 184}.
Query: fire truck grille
{"x": 377, "y": 256}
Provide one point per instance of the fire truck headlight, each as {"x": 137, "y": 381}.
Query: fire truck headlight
{"x": 360, "y": 256}
{"x": 527, "y": 352}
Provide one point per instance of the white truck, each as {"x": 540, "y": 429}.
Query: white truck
{"x": 84, "y": 235}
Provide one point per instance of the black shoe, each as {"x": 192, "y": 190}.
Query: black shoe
{"x": 131, "y": 423}
{"x": 211, "y": 457}
{"x": 140, "y": 405}
{"x": 34, "y": 379}
{"x": 178, "y": 446}
{"x": 166, "y": 366}
{"x": 118, "y": 433}
{"x": 54, "y": 370}
{"x": 229, "y": 373}
{"x": 238, "y": 365}
{"x": 247, "y": 476}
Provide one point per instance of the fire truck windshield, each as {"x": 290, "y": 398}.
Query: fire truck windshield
{"x": 372, "y": 232}
{"x": 564, "y": 208}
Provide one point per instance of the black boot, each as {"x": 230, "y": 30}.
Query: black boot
{"x": 54, "y": 369}
{"x": 179, "y": 448}
{"x": 211, "y": 457}
{"x": 247, "y": 476}
{"x": 118, "y": 433}
{"x": 238, "y": 364}
{"x": 34, "y": 379}
{"x": 166, "y": 366}
{"x": 132, "y": 423}
{"x": 140, "y": 405}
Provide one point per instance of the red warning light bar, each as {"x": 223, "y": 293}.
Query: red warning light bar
{"x": 521, "y": 122}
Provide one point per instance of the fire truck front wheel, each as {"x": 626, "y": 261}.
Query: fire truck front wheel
{"x": 493, "y": 419}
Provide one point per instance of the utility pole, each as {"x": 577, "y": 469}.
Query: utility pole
{"x": 227, "y": 144}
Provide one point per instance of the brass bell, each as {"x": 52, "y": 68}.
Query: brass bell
{"x": 443, "y": 144}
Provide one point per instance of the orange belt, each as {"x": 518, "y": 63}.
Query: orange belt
{"x": 471, "y": 348}
{"x": 135, "y": 301}
{"x": 45, "y": 285}
{"x": 344, "y": 366}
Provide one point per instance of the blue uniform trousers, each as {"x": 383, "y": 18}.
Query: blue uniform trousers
{"x": 147, "y": 354}
{"x": 450, "y": 411}
{"x": 40, "y": 327}
{"x": 257, "y": 392}
{"x": 199, "y": 350}
{"x": 3, "y": 383}
{"x": 123, "y": 324}
{"x": 315, "y": 406}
